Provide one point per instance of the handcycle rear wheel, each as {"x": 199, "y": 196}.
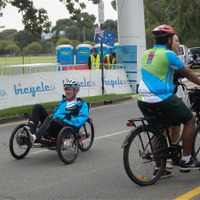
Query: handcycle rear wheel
{"x": 141, "y": 153}
{"x": 86, "y": 134}
{"x": 18, "y": 144}
{"x": 67, "y": 145}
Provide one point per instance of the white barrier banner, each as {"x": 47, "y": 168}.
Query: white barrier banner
{"x": 28, "y": 89}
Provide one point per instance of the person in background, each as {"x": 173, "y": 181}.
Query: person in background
{"x": 158, "y": 66}
{"x": 109, "y": 60}
{"x": 71, "y": 111}
{"x": 175, "y": 129}
{"x": 94, "y": 60}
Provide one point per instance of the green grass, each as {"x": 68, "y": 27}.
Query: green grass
{"x": 7, "y": 61}
{"x": 49, "y": 106}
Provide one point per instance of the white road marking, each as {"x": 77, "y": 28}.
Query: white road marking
{"x": 96, "y": 138}
{"x": 40, "y": 151}
{"x": 109, "y": 135}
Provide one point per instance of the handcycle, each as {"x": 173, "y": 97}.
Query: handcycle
{"x": 146, "y": 144}
{"x": 67, "y": 143}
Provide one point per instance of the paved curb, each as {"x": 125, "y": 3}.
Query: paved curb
{"x": 96, "y": 104}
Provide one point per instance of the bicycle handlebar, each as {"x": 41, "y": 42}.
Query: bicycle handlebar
{"x": 185, "y": 86}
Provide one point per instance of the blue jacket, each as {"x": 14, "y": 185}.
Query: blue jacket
{"x": 74, "y": 116}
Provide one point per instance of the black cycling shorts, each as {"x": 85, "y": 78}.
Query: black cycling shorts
{"x": 172, "y": 107}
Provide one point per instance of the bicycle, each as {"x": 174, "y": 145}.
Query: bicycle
{"x": 145, "y": 145}
{"x": 66, "y": 143}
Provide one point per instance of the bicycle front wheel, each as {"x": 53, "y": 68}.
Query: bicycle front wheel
{"x": 142, "y": 153}
{"x": 196, "y": 144}
{"x": 67, "y": 145}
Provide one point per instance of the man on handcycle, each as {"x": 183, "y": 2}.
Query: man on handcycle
{"x": 71, "y": 111}
{"x": 156, "y": 90}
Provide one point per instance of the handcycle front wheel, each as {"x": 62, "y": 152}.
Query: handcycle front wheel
{"x": 18, "y": 144}
{"x": 86, "y": 135}
{"x": 67, "y": 145}
{"x": 141, "y": 154}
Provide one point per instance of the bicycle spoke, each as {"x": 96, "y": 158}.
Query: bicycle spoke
{"x": 140, "y": 157}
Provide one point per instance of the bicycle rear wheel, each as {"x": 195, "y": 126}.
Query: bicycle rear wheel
{"x": 141, "y": 154}
{"x": 196, "y": 144}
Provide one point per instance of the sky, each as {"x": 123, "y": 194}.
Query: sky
{"x": 56, "y": 10}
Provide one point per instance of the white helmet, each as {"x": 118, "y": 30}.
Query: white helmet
{"x": 72, "y": 83}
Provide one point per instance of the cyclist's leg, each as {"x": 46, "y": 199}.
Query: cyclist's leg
{"x": 148, "y": 111}
{"x": 176, "y": 109}
{"x": 39, "y": 114}
{"x": 175, "y": 130}
{"x": 43, "y": 128}
{"x": 188, "y": 136}
{"x": 50, "y": 127}
{"x": 54, "y": 127}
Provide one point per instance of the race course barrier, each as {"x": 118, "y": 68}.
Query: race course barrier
{"x": 28, "y": 89}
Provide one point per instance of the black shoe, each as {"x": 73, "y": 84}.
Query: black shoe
{"x": 165, "y": 174}
{"x": 192, "y": 164}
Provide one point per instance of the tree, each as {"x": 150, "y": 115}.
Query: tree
{"x": 110, "y": 25}
{"x": 84, "y": 20}
{"x": 47, "y": 46}
{"x": 23, "y": 39}
{"x": 182, "y": 15}
{"x": 76, "y": 30}
{"x": 34, "y": 48}
{"x": 187, "y": 21}
{"x": 12, "y": 48}
{"x": 62, "y": 41}
{"x": 7, "y": 34}
{"x": 113, "y": 4}
{"x": 36, "y": 20}
{"x": 3, "y": 45}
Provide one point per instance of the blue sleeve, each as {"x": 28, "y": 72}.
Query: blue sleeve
{"x": 174, "y": 60}
{"x": 55, "y": 109}
{"x": 82, "y": 117}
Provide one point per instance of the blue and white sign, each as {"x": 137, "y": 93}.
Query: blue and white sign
{"x": 126, "y": 55}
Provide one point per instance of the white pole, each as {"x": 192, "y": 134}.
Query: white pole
{"x": 131, "y": 27}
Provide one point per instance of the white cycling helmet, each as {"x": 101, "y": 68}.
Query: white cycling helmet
{"x": 72, "y": 83}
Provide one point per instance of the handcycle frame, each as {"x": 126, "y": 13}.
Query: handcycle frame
{"x": 67, "y": 143}
{"x": 148, "y": 153}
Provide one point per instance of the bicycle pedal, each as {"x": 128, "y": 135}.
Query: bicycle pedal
{"x": 184, "y": 171}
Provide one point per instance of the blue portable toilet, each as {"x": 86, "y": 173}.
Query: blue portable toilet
{"x": 106, "y": 49}
{"x": 65, "y": 54}
{"x": 83, "y": 52}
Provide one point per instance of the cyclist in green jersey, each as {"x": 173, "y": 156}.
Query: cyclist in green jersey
{"x": 156, "y": 89}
